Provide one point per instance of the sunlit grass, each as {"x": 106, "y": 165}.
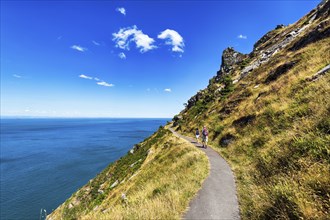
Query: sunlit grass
{"x": 280, "y": 156}
{"x": 161, "y": 188}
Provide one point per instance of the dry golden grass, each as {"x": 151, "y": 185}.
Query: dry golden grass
{"x": 164, "y": 186}
{"x": 281, "y": 158}
{"x": 170, "y": 176}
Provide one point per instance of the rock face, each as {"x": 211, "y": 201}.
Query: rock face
{"x": 114, "y": 184}
{"x": 235, "y": 65}
{"x": 320, "y": 32}
{"x": 229, "y": 59}
{"x": 192, "y": 101}
{"x": 319, "y": 74}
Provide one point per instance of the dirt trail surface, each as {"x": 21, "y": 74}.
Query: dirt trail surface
{"x": 217, "y": 198}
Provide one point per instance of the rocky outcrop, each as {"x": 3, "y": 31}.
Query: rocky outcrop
{"x": 276, "y": 45}
{"x": 229, "y": 59}
{"x": 320, "y": 32}
{"x": 237, "y": 65}
{"x": 273, "y": 42}
{"x": 262, "y": 40}
{"x": 319, "y": 74}
{"x": 192, "y": 101}
{"x": 323, "y": 9}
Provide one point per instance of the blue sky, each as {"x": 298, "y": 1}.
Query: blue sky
{"x": 123, "y": 58}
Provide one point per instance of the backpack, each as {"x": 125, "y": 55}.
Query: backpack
{"x": 205, "y": 133}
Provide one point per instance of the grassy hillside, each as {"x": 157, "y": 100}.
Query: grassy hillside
{"x": 154, "y": 181}
{"x": 268, "y": 113}
{"x": 272, "y": 123}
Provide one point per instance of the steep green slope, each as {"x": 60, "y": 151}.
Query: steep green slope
{"x": 268, "y": 113}
{"x": 156, "y": 180}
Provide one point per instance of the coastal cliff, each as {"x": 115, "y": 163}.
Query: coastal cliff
{"x": 268, "y": 113}
{"x": 268, "y": 116}
{"x": 156, "y": 179}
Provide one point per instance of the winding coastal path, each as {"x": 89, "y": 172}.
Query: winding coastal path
{"x": 217, "y": 199}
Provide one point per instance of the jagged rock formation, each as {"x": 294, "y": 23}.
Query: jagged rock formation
{"x": 294, "y": 37}
{"x": 229, "y": 59}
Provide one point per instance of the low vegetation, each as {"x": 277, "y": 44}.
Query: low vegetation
{"x": 273, "y": 127}
{"x": 271, "y": 123}
{"x": 156, "y": 181}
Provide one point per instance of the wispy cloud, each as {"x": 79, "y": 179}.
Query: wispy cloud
{"x": 121, "y": 10}
{"x": 85, "y": 77}
{"x": 105, "y": 84}
{"x": 17, "y": 76}
{"x": 132, "y": 34}
{"x": 98, "y": 81}
{"x": 122, "y": 56}
{"x": 79, "y": 48}
{"x": 167, "y": 90}
{"x": 242, "y": 36}
{"x": 174, "y": 39}
{"x": 59, "y": 37}
{"x": 96, "y": 43}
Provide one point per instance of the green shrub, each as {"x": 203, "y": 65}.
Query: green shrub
{"x": 229, "y": 86}
{"x": 282, "y": 204}
{"x": 244, "y": 63}
{"x": 218, "y": 130}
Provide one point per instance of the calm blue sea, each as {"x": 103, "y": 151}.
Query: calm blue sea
{"x": 43, "y": 161}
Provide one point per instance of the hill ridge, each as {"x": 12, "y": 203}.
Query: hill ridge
{"x": 268, "y": 115}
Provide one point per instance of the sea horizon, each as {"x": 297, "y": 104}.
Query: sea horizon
{"x": 45, "y": 160}
{"x": 80, "y": 117}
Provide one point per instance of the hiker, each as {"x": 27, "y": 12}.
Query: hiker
{"x": 197, "y": 135}
{"x": 205, "y": 135}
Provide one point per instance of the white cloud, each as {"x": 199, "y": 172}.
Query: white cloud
{"x": 105, "y": 84}
{"x": 121, "y": 10}
{"x": 96, "y": 43}
{"x": 148, "y": 89}
{"x": 122, "y": 55}
{"x": 173, "y": 38}
{"x": 17, "y": 76}
{"x": 167, "y": 90}
{"x": 79, "y": 48}
{"x": 85, "y": 77}
{"x": 99, "y": 81}
{"x": 133, "y": 34}
{"x": 242, "y": 36}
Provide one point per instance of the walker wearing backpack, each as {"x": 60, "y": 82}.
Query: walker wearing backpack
{"x": 205, "y": 134}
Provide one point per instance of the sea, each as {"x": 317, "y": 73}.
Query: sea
{"x": 44, "y": 161}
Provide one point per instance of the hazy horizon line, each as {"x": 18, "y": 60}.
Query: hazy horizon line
{"x": 78, "y": 117}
